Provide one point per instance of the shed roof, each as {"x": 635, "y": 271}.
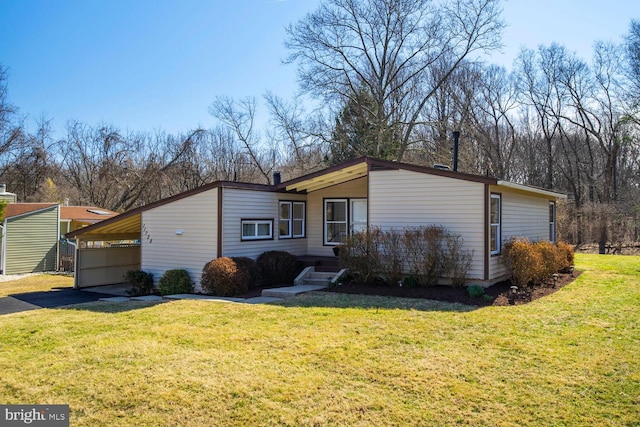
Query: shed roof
{"x": 129, "y": 222}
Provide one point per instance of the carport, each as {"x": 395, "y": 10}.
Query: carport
{"x": 105, "y": 251}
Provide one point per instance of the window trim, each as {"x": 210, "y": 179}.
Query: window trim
{"x": 497, "y": 225}
{"x": 256, "y": 222}
{"x": 324, "y": 219}
{"x": 552, "y": 221}
{"x": 292, "y": 220}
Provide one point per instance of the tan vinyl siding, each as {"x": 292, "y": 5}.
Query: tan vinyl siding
{"x": 32, "y": 242}
{"x": 241, "y": 204}
{"x": 163, "y": 249}
{"x": 401, "y": 198}
{"x": 315, "y": 212}
{"x": 522, "y": 216}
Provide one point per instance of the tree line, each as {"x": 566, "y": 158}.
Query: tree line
{"x": 390, "y": 79}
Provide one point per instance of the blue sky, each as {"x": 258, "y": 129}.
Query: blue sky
{"x": 146, "y": 65}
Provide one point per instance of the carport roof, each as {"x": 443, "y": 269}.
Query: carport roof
{"x": 127, "y": 226}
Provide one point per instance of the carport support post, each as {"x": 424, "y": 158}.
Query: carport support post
{"x": 76, "y": 245}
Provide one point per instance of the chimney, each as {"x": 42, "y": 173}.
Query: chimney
{"x": 3, "y": 188}
{"x": 456, "y": 137}
{"x": 277, "y": 178}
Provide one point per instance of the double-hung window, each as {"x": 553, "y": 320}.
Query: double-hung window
{"x": 257, "y": 229}
{"x": 336, "y": 221}
{"x": 495, "y": 219}
{"x": 291, "y": 222}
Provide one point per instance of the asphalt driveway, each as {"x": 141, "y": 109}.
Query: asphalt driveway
{"x": 47, "y": 299}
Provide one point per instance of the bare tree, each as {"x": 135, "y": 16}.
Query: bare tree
{"x": 240, "y": 117}
{"x": 11, "y": 127}
{"x": 390, "y": 47}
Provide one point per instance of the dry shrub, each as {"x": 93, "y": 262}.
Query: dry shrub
{"x": 549, "y": 264}
{"x": 249, "y": 268}
{"x": 566, "y": 256}
{"x": 278, "y": 268}
{"x": 522, "y": 261}
{"x": 457, "y": 260}
{"x": 222, "y": 277}
{"x": 533, "y": 263}
{"x": 360, "y": 254}
{"x": 423, "y": 253}
{"x": 392, "y": 255}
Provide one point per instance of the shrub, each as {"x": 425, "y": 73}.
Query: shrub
{"x": 522, "y": 261}
{"x": 277, "y": 268}
{"x": 359, "y": 254}
{"x": 141, "y": 282}
{"x": 424, "y": 253}
{"x": 392, "y": 253}
{"x": 565, "y": 256}
{"x": 222, "y": 277}
{"x": 475, "y": 291}
{"x": 549, "y": 263}
{"x": 174, "y": 282}
{"x": 249, "y": 268}
{"x": 533, "y": 263}
{"x": 457, "y": 260}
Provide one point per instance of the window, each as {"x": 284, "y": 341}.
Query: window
{"x": 291, "y": 220}
{"x": 552, "y": 222}
{"x": 335, "y": 221}
{"x": 495, "y": 220}
{"x": 257, "y": 229}
{"x": 358, "y": 215}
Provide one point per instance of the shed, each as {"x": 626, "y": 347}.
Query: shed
{"x": 30, "y": 233}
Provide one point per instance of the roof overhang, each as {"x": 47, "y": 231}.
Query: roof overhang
{"x": 530, "y": 189}
{"x": 328, "y": 177}
{"x": 121, "y": 227}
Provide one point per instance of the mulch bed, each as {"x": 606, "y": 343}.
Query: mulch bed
{"x": 499, "y": 294}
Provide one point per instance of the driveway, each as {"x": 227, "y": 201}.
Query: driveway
{"x": 47, "y": 299}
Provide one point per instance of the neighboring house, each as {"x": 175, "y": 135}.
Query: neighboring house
{"x": 312, "y": 214}
{"x": 5, "y": 195}
{"x": 75, "y": 217}
{"x": 30, "y": 233}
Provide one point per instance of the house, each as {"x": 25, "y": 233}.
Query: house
{"x": 75, "y": 217}
{"x": 30, "y": 233}
{"x": 311, "y": 214}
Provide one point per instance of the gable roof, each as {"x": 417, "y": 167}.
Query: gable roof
{"x": 85, "y": 213}
{"x": 17, "y": 209}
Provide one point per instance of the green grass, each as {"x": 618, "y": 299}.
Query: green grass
{"x": 36, "y": 283}
{"x": 569, "y": 359}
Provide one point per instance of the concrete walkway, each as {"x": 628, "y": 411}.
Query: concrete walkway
{"x": 268, "y": 295}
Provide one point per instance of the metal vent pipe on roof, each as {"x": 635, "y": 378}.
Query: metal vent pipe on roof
{"x": 456, "y": 138}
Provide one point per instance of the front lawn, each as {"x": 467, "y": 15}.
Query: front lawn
{"x": 570, "y": 358}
